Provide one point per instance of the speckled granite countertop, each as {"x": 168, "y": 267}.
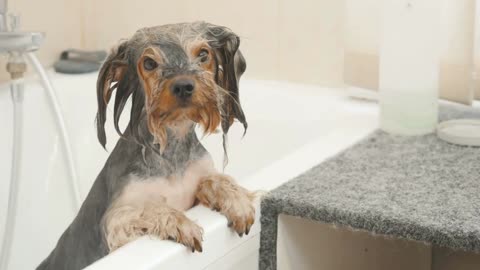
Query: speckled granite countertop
{"x": 418, "y": 188}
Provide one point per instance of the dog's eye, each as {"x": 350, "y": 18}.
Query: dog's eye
{"x": 203, "y": 55}
{"x": 149, "y": 63}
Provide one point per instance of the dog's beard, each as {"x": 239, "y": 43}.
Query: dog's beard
{"x": 203, "y": 109}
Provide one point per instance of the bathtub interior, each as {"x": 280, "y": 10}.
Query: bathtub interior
{"x": 282, "y": 117}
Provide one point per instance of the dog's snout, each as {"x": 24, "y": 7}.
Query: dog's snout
{"x": 183, "y": 88}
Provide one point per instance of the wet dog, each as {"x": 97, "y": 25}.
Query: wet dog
{"x": 177, "y": 76}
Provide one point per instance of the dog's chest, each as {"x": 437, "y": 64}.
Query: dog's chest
{"x": 178, "y": 189}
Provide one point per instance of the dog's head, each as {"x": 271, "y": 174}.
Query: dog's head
{"x": 176, "y": 74}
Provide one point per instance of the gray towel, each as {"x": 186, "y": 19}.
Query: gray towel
{"x": 74, "y": 61}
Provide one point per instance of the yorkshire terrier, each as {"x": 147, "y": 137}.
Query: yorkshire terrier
{"x": 178, "y": 76}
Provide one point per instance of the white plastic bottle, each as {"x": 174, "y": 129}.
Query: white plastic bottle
{"x": 409, "y": 66}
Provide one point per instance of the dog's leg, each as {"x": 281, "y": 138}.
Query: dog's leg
{"x": 220, "y": 193}
{"x": 125, "y": 222}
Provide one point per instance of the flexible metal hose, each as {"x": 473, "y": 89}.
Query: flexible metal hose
{"x": 55, "y": 104}
{"x": 16, "y": 90}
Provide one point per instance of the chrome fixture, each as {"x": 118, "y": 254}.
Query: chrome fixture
{"x": 18, "y": 46}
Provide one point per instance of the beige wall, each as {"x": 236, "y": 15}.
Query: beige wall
{"x": 311, "y": 41}
{"x": 477, "y": 49}
{"x": 59, "y": 19}
{"x": 281, "y": 39}
{"x": 457, "y": 60}
{"x": 111, "y": 20}
{"x": 300, "y": 41}
{"x": 362, "y": 42}
{"x": 362, "y": 39}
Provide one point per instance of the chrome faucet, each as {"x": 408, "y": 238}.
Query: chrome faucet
{"x": 3, "y": 15}
{"x": 11, "y": 39}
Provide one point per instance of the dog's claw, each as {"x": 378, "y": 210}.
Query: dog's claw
{"x": 198, "y": 245}
{"x": 230, "y": 223}
{"x": 247, "y": 231}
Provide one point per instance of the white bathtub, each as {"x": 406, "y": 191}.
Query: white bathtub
{"x": 291, "y": 128}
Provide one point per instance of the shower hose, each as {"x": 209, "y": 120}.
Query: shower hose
{"x": 16, "y": 67}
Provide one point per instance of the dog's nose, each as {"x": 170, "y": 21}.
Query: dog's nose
{"x": 183, "y": 88}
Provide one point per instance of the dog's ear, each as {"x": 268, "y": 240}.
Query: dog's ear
{"x": 230, "y": 65}
{"x": 111, "y": 73}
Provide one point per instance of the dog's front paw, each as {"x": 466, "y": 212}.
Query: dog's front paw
{"x": 184, "y": 231}
{"x": 240, "y": 213}
{"x": 123, "y": 224}
{"x": 221, "y": 193}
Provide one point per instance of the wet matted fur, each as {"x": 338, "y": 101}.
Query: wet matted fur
{"x": 177, "y": 76}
